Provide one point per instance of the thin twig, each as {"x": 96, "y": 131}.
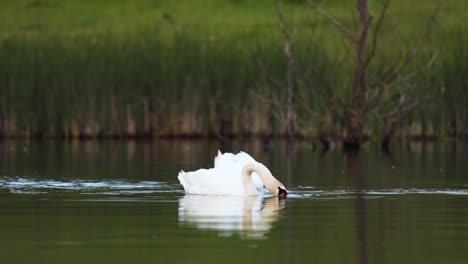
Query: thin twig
{"x": 393, "y": 73}
{"x": 287, "y": 42}
{"x": 433, "y": 59}
{"x": 333, "y": 20}
{"x": 377, "y": 28}
{"x": 410, "y": 75}
{"x": 292, "y": 67}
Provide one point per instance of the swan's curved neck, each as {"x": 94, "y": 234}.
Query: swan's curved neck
{"x": 270, "y": 182}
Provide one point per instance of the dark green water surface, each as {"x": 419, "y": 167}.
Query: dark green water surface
{"x": 120, "y": 202}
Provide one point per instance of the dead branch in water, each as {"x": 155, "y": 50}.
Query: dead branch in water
{"x": 366, "y": 95}
{"x": 294, "y": 74}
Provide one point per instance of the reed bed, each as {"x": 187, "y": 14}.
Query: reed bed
{"x": 180, "y": 80}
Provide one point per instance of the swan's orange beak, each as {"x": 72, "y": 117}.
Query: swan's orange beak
{"x": 282, "y": 193}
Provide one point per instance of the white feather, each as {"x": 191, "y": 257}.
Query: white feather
{"x": 223, "y": 179}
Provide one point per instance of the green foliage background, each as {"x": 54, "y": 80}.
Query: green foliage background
{"x": 201, "y": 67}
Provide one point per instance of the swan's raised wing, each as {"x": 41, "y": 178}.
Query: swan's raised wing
{"x": 243, "y": 158}
{"x": 224, "y": 160}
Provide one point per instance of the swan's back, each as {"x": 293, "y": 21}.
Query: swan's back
{"x": 211, "y": 182}
{"x": 223, "y": 179}
{"x": 243, "y": 159}
{"x": 228, "y": 159}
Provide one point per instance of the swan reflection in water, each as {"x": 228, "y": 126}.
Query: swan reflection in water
{"x": 246, "y": 216}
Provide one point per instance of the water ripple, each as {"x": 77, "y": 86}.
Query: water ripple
{"x": 105, "y": 187}
{"x": 23, "y": 185}
{"x": 305, "y": 192}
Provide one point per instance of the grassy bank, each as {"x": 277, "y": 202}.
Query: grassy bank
{"x": 199, "y": 68}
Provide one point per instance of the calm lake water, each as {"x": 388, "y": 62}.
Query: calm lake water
{"x": 120, "y": 202}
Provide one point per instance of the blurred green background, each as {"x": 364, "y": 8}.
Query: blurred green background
{"x": 115, "y": 68}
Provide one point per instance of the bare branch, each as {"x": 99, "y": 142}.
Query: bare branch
{"x": 348, "y": 33}
{"x": 288, "y": 51}
{"x": 279, "y": 111}
{"x": 372, "y": 97}
{"x": 425, "y": 34}
{"x": 376, "y": 31}
{"x": 433, "y": 59}
{"x": 410, "y": 75}
{"x": 393, "y": 73}
{"x": 293, "y": 70}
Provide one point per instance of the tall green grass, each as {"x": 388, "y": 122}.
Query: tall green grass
{"x": 92, "y": 85}
{"x": 198, "y": 76}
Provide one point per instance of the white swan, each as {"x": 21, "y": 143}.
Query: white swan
{"x": 231, "y": 175}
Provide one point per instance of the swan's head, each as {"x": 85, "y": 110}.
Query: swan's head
{"x": 275, "y": 186}
{"x": 282, "y": 193}
{"x": 270, "y": 182}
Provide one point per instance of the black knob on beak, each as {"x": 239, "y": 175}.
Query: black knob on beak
{"x": 282, "y": 193}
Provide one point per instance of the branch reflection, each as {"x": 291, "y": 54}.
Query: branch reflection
{"x": 354, "y": 170}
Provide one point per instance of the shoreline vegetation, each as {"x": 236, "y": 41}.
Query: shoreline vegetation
{"x": 207, "y": 68}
